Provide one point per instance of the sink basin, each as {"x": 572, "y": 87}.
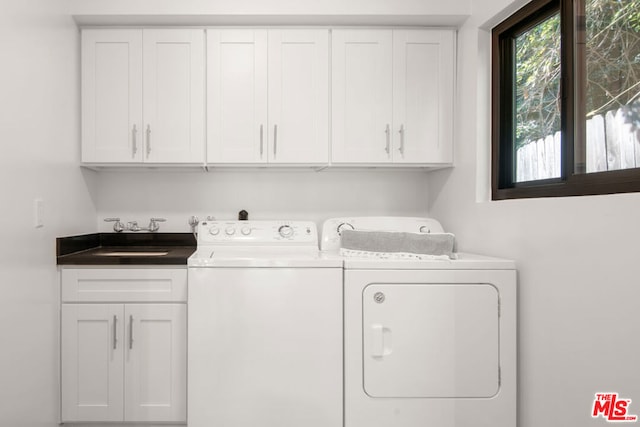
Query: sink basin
{"x": 132, "y": 253}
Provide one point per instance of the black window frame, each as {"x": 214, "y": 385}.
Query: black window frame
{"x": 570, "y": 182}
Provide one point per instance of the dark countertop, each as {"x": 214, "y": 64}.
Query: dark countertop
{"x": 90, "y": 249}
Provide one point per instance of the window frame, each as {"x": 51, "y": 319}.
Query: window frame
{"x": 569, "y": 183}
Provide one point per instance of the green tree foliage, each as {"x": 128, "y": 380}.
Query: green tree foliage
{"x": 612, "y": 56}
{"x": 538, "y": 81}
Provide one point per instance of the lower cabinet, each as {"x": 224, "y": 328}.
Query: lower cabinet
{"x": 123, "y": 362}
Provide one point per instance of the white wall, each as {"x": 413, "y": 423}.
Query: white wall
{"x": 301, "y": 195}
{"x": 39, "y": 134}
{"x": 261, "y": 11}
{"x": 258, "y": 7}
{"x": 577, "y": 259}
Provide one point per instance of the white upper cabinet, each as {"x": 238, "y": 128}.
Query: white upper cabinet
{"x": 362, "y": 100}
{"x": 236, "y": 96}
{"x": 392, "y": 97}
{"x": 174, "y": 96}
{"x": 298, "y": 96}
{"x": 267, "y": 96}
{"x": 143, "y": 96}
{"x": 111, "y": 96}
{"x": 423, "y": 82}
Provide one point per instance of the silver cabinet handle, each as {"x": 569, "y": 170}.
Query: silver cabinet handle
{"x": 115, "y": 331}
{"x": 130, "y": 332}
{"x": 261, "y": 140}
{"x": 134, "y": 142}
{"x": 388, "y": 135}
{"x": 148, "y": 140}
{"x": 275, "y": 140}
{"x": 401, "y": 149}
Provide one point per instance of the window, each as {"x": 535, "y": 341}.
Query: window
{"x": 566, "y": 99}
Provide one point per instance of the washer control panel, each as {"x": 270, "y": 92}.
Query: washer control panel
{"x": 257, "y": 232}
{"x": 332, "y": 228}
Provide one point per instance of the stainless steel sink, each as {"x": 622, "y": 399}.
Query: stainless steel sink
{"x": 132, "y": 253}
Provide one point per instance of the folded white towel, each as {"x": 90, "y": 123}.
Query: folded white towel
{"x": 399, "y": 245}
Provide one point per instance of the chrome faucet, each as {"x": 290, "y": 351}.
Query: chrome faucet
{"x": 119, "y": 227}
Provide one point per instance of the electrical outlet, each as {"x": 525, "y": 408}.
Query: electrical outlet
{"x": 38, "y": 213}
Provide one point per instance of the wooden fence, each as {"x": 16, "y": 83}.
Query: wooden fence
{"x": 611, "y": 144}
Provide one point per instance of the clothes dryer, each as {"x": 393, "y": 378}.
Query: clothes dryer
{"x": 428, "y": 343}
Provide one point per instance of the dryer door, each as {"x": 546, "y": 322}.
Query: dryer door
{"x": 431, "y": 340}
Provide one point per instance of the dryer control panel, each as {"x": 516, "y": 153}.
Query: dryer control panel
{"x": 332, "y": 228}
{"x": 257, "y": 233}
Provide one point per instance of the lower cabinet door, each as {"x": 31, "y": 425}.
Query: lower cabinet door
{"x": 155, "y": 386}
{"x": 92, "y": 362}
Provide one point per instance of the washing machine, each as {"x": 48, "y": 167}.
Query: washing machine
{"x": 265, "y": 327}
{"x": 428, "y": 342}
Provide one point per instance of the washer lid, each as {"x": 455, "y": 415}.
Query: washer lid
{"x": 250, "y": 257}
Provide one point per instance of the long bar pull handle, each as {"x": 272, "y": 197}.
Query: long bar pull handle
{"x": 134, "y": 141}
{"x": 115, "y": 331}
{"x": 148, "y": 140}
{"x": 261, "y": 140}
{"x": 130, "y": 332}
{"x": 275, "y": 140}
{"x": 388, "y": 135}
{"x": 401, "y": 149}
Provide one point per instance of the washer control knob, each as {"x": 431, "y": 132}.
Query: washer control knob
{"x": 285, "y": 231}
{"x": 425, "y": 229}
{"x": 230, "y": 231}
{"x": 214, "y": 231}
{"x": 344, "y": 226}
{"x": 245, "y": 231}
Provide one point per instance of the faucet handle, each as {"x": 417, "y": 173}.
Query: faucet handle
{"x": 153, "y": 223}
{"x": 117, "y": 226}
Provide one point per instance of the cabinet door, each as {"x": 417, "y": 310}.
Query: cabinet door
{"x": 111, "y": 96}
{"x": 298, "y": 96}
{"x": 361, "y": 96}
{"x": 423, "y": 76}
{"x": 174, "y": 96}
{"x": 237, "y": 96}
{"x": 92, "y": 362}
{"x": 156, "y": 362}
